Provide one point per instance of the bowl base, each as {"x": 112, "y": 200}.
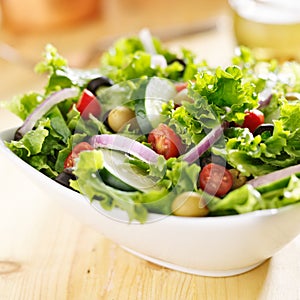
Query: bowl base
{"x": 206, "y": 273}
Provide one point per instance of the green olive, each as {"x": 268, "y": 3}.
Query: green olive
{"x": 238, "y": 179}
{"x": 292, "y": 96}
{"x": 189, "y": 204}
{"x": 119, "y": 117}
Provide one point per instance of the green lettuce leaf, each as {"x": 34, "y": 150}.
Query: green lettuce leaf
{"x": 30, "y": 144}
{"x": 242, "y": 200}
{"x": 89, "y": 183}
{"x": 60, "y": 75}
{"x": 23, "y": 105}
{"x": 289, "y": 115}
{"x": 245, "y": 199}
{"x": 39, "y": 148}
{"x": 226, "y": 92}
{"x": 265, "y": 153}
{"x": 127, "y": 59}
{"x": 177, "y": 177}
{"x": 58, "y": 127}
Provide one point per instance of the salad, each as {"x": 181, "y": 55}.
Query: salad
{"x": 152, "y": 131}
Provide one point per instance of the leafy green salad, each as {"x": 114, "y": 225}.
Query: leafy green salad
{"x": 152, "y": 131}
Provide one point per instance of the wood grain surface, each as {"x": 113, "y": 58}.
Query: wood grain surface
{"x": 47, "y": 254}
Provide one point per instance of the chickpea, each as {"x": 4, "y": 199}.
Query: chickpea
{"x": 119, "y": 117}
{"x": 189, "y": 204}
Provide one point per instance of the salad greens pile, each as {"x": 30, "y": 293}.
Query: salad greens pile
{"x": 214, "y": 98}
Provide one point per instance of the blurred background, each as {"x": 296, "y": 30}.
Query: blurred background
{"x": 81, "y": 29}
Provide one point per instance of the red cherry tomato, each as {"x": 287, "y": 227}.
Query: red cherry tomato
{"x": 165, "y": 141}
{"x": 88, "y": 104}
{"x": 215, "y": 180}
{"x": 253, "y": 119}
{"x": 70, "y": 160}
{"x": 181, "y": 86}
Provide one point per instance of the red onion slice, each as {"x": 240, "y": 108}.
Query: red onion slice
{"x": 147, "y": 41}
{"x": 124, "y": 144}
{"x": 193, "y": 154}
{"x": 157, "y": 60}
{"x": 45, "y": 106}
{"x": 274, "y": 176}
{"x": 265, "y": 97}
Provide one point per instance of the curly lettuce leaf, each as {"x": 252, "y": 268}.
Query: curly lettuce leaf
{"x": 38, "y": 148}
{"x": 52, "y": 62}
{"x": 60, "y": 75}
{"x": 127, "y": 59}
{"x": 58, "y": 127}
{"x": 242, "y": 200}
{"x": 289, "y": 115}
{"x": 184, "y": 123}
{"x": 226, "y": 89}
{"x": 177, "y": 177}
{"x": 23, "y": 105}
{"x": 30, "y": 144}
{"x": 89, "y": 183}
{"x": 245, "y": 199}
{"x": 219, "y": 96}
{"x": 263, "y": 154}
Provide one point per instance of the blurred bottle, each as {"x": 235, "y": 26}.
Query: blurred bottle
{"x": 39, "y": 15}
{"x": 270, "y": 27}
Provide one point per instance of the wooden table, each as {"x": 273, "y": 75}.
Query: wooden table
{"x": 47, "y": 254}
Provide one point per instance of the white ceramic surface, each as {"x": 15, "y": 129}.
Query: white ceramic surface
{"x": 210, "y": 246}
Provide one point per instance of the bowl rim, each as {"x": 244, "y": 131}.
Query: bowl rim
{"x": 155, "y": 216}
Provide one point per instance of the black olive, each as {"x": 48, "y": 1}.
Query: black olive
{"x": 181, "y": 61}
{"x": 105, "y": 118}
{"x": 64, "y": 177}
{"x": 263, "y": 128}
{"x": 18, "y": 135}
{"x": 98, "y": 82}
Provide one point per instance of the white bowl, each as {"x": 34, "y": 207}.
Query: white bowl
{"x": 209, "y": 246}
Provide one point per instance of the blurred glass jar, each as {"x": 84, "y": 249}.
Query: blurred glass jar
{"x": 40, "y": 15}
{"x": 270, "y": 27}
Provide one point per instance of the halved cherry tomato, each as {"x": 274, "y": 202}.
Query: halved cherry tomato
{"x": 70, "y": 160}
{"x": 215, "y": 180}
{"x": 88, "y": 104}
{"x": 253, "y": 119}
{"x": 165, "y": 141}
{"x": 179, "y": 86}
